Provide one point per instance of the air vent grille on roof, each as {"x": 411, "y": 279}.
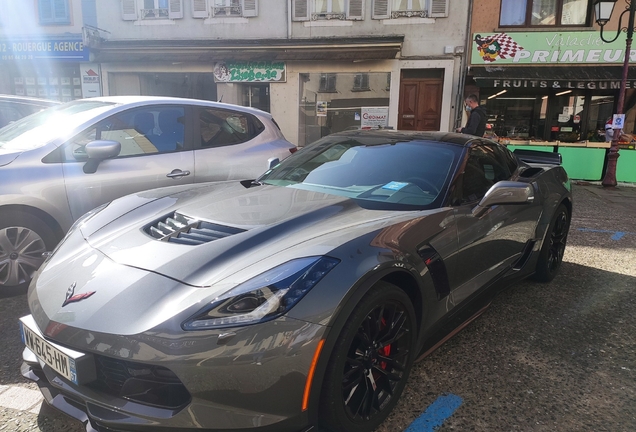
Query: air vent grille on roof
{"x": 181, "y": 229}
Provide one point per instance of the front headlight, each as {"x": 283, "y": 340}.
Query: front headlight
{"x": 264, "y": 297}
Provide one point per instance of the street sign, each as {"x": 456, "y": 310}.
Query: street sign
{"x": 618, "y": 121}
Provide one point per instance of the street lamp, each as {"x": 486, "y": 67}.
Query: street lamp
{"x": 603, "y": 10}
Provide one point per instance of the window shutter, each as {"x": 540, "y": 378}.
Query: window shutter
{"x": 175, "y": 9}
{"x": 300, "y": 10}
{"x": 355, "y": 10}
{"x": 46, "y": 11}
{"x": 438, "y": 8}
{"x": 200, "y": 9}
{"x": 128, "y": 10}
{"x": 250, "y": 8}
{"x": 60, "y": 11}
{"x": 381, "y": 9}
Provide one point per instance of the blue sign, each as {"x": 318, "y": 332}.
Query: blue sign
{"x": 70, "y": 50}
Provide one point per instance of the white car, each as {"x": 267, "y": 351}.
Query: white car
{"x": 66, "y": 160}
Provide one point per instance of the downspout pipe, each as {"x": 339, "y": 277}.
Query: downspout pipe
{"x": 464, "y": 68}
{"x": 289, "y": 19}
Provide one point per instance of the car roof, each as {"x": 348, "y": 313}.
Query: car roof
{"x": 141, "y": 100}
{"x": 28, "y": 100}
{"x": 405, "y": 136}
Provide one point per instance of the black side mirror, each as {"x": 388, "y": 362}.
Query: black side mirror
{"x": 99, "y": 150}
{"x": 505, "y": 192}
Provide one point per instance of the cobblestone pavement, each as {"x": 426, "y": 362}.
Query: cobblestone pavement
{"x": 544, "y": 357}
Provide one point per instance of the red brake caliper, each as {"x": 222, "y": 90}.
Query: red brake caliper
{"x": 386, "y": 351}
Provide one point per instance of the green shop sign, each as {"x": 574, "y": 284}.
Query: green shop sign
{"x": 253, "y": 71}
{"x": 585, "y": 47}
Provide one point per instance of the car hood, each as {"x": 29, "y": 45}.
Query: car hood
{"x": 257, "y": 223}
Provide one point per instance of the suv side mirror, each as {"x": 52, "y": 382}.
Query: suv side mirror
{"x": 99, "y": 150}
{"x": 505, "y": 192}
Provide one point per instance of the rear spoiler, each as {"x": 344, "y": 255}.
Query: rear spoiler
{"x": 538, "y": 157}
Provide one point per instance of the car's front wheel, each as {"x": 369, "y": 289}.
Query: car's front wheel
{"x": 553, "y": 248}
{"x": 23, "y": 240}
{"x": 370, "y": 363}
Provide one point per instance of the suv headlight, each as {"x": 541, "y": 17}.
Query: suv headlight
{"x": 264, "y": 297}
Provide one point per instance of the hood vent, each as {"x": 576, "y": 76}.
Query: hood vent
{"x": 181, "y": 229}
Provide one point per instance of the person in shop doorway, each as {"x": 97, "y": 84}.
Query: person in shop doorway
{"x": 477, "y": 117}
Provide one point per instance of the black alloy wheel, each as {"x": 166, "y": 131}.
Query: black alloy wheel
{"x": 553, "y": 249}
{"x": 371, "y": 361}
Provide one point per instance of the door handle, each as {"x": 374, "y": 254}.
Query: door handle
{"x": 177, "y": 173}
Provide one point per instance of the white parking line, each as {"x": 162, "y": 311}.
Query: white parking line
{"x": 20, "y": 398}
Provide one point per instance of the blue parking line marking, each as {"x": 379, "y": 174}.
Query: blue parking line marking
{"x": 616, "y": 235}
{"x": 436, "y": 414}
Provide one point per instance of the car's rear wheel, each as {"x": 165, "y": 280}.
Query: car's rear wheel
{"x": 553, "y": 248}
{"x": 370, "y": 363}
{"x": 23, "y": 239}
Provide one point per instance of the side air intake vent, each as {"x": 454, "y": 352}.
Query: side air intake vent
{"x": 181, "y": 229}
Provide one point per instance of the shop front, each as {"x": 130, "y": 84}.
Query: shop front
{"x": 554, "y": 91}
{"x": 54, "y": 68}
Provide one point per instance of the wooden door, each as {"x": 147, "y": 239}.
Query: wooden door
{"x": 420, "y": 104}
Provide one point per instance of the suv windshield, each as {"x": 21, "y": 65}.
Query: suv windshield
{"x": 371, "y": 168}
{"x": 38, "y": 129}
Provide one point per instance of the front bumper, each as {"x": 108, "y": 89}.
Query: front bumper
{"x": 222, "y": 398}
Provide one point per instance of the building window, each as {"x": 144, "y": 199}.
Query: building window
{"x": 385, "y": 9}
{"x": 525, "y": 13}
{"x": 54, "y": 12}
{"x": 155, "y": 9}
{"x": 227, "y": 8}
{"x": 361, "y": 82}
{"x": 327, "y": 83}
{"x": 408, "y": 8}
{"x": 329, "y": 9}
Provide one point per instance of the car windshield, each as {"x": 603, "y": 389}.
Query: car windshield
{"x": 38, "y": 129}
{"x": 371, "y": 169}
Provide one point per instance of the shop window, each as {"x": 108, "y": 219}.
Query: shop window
{"x": 526, "y": 13}
{"x": 327, "y": 83}
{"x": 329, "y": 103}
{"x": 383, "y": 9}
{"x": 361, "y": 82}
{"x": 54, "y": 12}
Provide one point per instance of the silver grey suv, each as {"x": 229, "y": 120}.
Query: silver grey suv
{"x": 62, "y": 162}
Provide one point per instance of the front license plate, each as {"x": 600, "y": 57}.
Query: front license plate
{"x": 60, "y": 362}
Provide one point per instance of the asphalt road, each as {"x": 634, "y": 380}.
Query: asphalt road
{"x": 544, "y": 357}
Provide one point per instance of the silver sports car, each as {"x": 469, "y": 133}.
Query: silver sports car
{"x": 295, "y": 300}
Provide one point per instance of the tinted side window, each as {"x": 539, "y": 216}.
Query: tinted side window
{"x": 140, "y": 132}
{"x": 220, "y": 127}
{"x": 483, "y": 169}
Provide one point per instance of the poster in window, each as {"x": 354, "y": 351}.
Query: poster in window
{"x": 18, "y": 80}
{"x": 66, "y": 92}
{"x": 41, "y": 80}
{"x": 53, "y": 80}
{"x": 66, "y": 80}
{"x": 374, "y": 117}
{"x": 19, "y": 91}
{"x": 76, "y": 81}
{"x": 31, "y": 91}
{"x": 321, "y": 108}
{"x": 54, "y": 91}
{"x": 29, "y": 80}
{"x": 42, "y": 92}
{"x": 77, "y": 92}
